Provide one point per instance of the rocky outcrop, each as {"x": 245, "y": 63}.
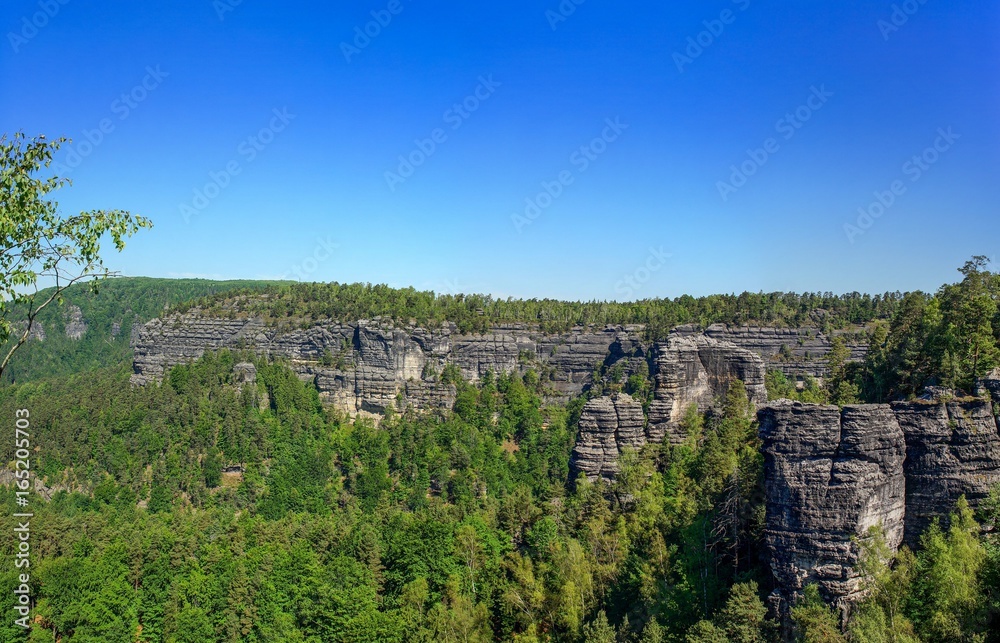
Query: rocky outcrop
{"x": 797, "y": 352}
{"x": 76, "y": 327}
{"x": 608, "y": 426}
{"x": 952, "y": 449}
{"x": 164, "y": 343}
{"x": 368, "y": 365}
{"x": 830, "y": 474}
{"x": 696, "y": 369}
{"x": 989, "y": 386}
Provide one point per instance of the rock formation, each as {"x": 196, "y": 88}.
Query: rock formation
{"x": 952, "y": 448}
{"x": 697, "y": 369}
{"x": 830, "y": 474}
{"x": 989, "y": 386}
{"x": 805, "y": 348}
{"x": 76, "y": 327}
{"x": 608, "y": 425}
{"x": 367, "y": 365}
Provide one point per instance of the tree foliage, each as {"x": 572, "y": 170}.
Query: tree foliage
{"x": 39, "y": 244}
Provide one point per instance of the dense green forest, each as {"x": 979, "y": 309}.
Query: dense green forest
{"x": 949, "y": 339}
{"x": 476, "y": 313}
{"x": 109, "y": 312}
{"x": 209, "y": 508}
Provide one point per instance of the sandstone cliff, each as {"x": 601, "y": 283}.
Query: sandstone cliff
{"x": 370, "y": 365}
{"x": 608, "y": 425}
{"x": 697, "y": 369}
{"x": 952, "y": 448}
{"x": 688, "y": 369}
{"x": 795, "y": 351}
{"x": 830, "y": 474}
{"x": 366, "y": 366}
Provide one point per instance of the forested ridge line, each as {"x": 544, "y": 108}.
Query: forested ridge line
{"x": 477, "y": 313}
{"x": 108, "y": 315}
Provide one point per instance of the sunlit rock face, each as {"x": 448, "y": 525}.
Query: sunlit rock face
{"x": 366, "y": 366}
{"x": 608, "y": 426}
{"x": 952, "y": 449}
{"x": 696, "y": 369}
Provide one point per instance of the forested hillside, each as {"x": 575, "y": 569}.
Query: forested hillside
{"x": 228, "y": 504}
{"x": 108, "y": 315}
{"x": 208, "y": 509}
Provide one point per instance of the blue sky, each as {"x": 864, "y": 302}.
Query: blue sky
{"x": 270, "y": 139}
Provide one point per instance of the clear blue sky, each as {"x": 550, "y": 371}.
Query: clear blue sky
{"x": 877, "y": 89}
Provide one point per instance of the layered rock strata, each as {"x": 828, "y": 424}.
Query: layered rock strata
{"x": 989, "y": 386}
{"x": 608, "y": 426}
{"x": 797, "y": 352}
{"x": 952, "y": 449}
{"x": 694, "y": 369}
{"x": 369, "y": 365}
{"x": 830, "y": 474}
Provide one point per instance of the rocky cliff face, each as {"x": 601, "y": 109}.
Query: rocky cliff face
{"x": 952, "y": 449}
{"x": 697, "y": 369}
{"x": 989, "y": 386}
{"x": 804, "y": 348}
{"x": 378, "y": 361}
{"x": 830, "y": 474}
{"x": 608, "y": 426}
{"x": 687, "y": 369}
{"x": 368, "y": 365}
{"x": 76, "y": 327}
